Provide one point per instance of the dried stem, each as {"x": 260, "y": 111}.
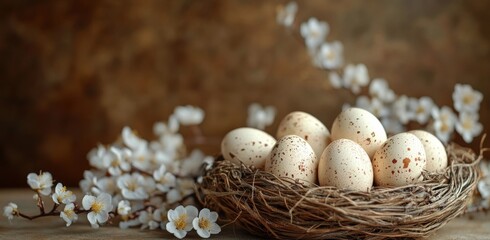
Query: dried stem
{"x": 53, "y": 212}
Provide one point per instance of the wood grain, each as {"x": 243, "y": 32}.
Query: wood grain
{"x": 475, "y": 226}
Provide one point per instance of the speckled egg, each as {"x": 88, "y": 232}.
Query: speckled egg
{"x": 293, "y": 157}
{"x": 344, "y": 164}
{"x": 399, "y": 161}
{"x": 361, "y": 127}
{"x": 434, "y": 151}
{"x": 248, "y": 145}
{"x": 306, "y": 126}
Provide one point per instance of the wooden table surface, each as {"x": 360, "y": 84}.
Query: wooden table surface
{"x": 475, "y": 226}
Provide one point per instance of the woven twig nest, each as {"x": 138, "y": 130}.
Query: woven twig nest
{"x": 269, "y": 206}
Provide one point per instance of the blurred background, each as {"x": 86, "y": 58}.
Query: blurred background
{"x": 73, "y": 73}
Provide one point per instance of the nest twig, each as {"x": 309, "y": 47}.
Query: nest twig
{"x": 279, "y": 207}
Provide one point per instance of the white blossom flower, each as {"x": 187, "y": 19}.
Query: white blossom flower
{"x": 192, "y": 164}
{"x": 164, "y": 180}
{"x": 161, "y": 157}
{"x": 141, "y": 158}
{"x": 314, "y": 32}
{"x": 184, "y": 187}
{"x": 41, "y": 183}
{"x": 189, "y": 115}
{"x": 208, "y": 161}
{"x": 146, "y": 220}
{"x": 260, "y": 117}
{"x": 335, "y": 80}
{"x": 484, "y": 187}
{"x": 444, "y": 122}
{"x": 180, "y": 220}
{"x": 355, "y": 77}
{"x": 61, "y": 195}
{"x": 160, "y": 215}
{"x": 135, "y": 186}
{"x": 68, "y": 214}
{"x": 468, "y": 126}
{"x": 89, "y": 182}
{"x": 131, "y": 140}
{"x": 116, "y": 161}
{"x": 392, "y": 125}
{"x": 96, "y": 157}
{"x": 330, "y": 55}
{"x": 129, "y": 223}
{"x": 123, "y": 208}
{"x": 171, "y": 144}
{"x": 205, "y": 224}
{"x": 379, "y": 89}
{"x": 99, "y": 208}
{"x": 105, "y": 184}
{"x": 159, "y": 128}
{"x": 10, "y": 211}
{"x": 172, "y": 126}
{"x": 400, "y": 109}
{"x": 286, "y": 14}
{"x": 374, "y": 105}
{"x": 466, "y": 99}
{"x": 421, "y": 108}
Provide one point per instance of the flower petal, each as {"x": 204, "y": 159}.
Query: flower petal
{"x": 45, "y": 191}
{"x": 213, "y": 216}
{"x": 180, "y": 234}
{"x": 192, "y": 212}
{"x": 87, "y": 202}
{"x": 215, "y": 228}
{"x": 91, "y": 216}
{"x": 171, "y": 227}
{"x": 195, "y": 223}
{"x": 102, "y": 217}
{"x": 203, "y": 233}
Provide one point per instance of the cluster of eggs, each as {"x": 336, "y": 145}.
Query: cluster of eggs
{"x": 355, "y": 155}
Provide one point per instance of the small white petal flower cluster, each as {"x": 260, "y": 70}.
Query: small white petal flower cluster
{"x": 325, "y": 55}
{"x": 10, "y": 211}
{"x": 484, "y": 185}
{"x": 395, "y": 112}
{"x": 286, "y": 14}
{"x": 467, "y": 103}
{"x": 145, "y": 178}
{"x": 183, "y": 219}
{"x": 260, "y": 117}
{"x": 42, "y": 184}
{"x": 136, "y": 180}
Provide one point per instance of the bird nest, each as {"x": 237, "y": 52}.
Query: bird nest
{"x": 279, "y": 207}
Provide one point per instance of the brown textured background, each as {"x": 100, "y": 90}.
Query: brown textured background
{"x": 73, "y": 73}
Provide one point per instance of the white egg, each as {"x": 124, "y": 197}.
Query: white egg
{"x": 248, "y": 145}
{"x": 361, "y": 127}
{"x": 306, "y": 126}
{"x": 399, "y": 161}
{"x": 434, "y": 151}
{"x": 293, "y": 157}
{"x": 344, "y": 164}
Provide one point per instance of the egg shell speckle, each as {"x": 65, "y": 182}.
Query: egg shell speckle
{"x": 293, "y": 157}
{"x": 399, "y": 161}
{"x": 434, "y": 150}
{"x": 361, "y": 127}
{"x": 344, "y": 164}
{"x": 306, "y": 126}
{"x": 248, "y": 145}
